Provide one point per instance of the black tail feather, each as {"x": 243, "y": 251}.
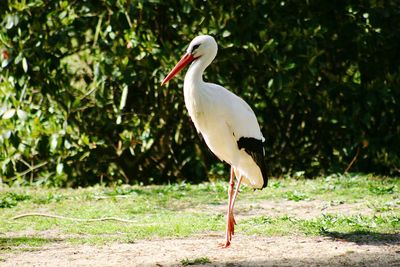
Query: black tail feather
{"x": 254, "y": 147}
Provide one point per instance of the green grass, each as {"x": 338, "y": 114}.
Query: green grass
{"x": 24, "y": 243}
{"x": 180, "y": 210}
{"x": 187, "y": 262}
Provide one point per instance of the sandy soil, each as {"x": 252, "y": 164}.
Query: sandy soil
{"x": 333, "y": 250}
{"x": 245, "y": 251}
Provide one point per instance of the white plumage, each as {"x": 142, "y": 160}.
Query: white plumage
{"x": 226, "y": 122}
{"x": 222, "y": 118}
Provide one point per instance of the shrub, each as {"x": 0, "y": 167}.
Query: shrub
{"x": 81, "y": 102}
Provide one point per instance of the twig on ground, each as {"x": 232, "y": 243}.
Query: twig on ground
{"x": 71, "y": 218}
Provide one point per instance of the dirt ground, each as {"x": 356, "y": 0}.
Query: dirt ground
{"x": 245, "y": 251}
{"x": 334, "y": 250}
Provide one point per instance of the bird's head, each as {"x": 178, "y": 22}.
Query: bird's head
{"x": 203, "y": 47}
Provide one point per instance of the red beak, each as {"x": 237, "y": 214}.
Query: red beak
{"x": 186, "y": 59}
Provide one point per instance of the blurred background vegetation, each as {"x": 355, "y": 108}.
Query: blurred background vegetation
{"x": 81, "y": 102}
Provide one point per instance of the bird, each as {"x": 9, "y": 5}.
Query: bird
{"x": 226, "y": 122}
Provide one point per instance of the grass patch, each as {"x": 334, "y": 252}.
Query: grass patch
{"x": 24, "y": 243}
{"x": 187, "y": 262}
{"x": 11, "y": 199}
{"x": 180, "y": 210}
{"x": 296, "y": 196}
{"x": 347, "y": 224}
{"x": 381, "y": 189}
{"x": 286, "y": 225}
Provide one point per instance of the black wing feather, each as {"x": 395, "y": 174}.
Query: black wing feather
{"x": 254, "y": 147}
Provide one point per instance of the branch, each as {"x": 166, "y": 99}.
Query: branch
{"x": 353, "y": 160}
{"x": 70, "y": 218}
{"x": 31, "y": 169}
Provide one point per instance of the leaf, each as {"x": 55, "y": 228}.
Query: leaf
{"x": 22, "y": 115}
{"x": 9, "y": 114}
{"x": 67, "y": 144}
{"x": 226, "y": 33}
{"x": 290, "y": 66}
{"x": 63, "y": 14}
{"x": 270, "y": 83}
{"x": 25, "y": 64}
{"x": 7, "y": 134}
{"x": 53, "y": 142}
{"x": 123, "y": 97}
{"x": 10, "y": 22}
{"x": 4, "y": 63}
{"x": 60, "y": 168}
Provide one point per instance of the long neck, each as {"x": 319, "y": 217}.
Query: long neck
{"x": 194, "y": 75}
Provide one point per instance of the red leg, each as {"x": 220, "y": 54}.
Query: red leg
{"x": 236, "y": 193}
{"x": 233, "y": 204}
{"x": 230, "y": 220}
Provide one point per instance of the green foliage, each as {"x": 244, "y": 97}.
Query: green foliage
{"x": 356, "y": 223}
{"x": 197, "y": 261}
{"x": 11, "y": 199}
{"x": 49, "y": 198}
{"x": 381, "y": 190}
{"x": 260, "y": 220}
{"x": 81, "y": 103}
{"x": 296, "y": 196}
{"x": 25, "y": 243}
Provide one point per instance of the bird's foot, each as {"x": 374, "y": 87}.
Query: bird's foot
{"x": 230, "y": 231}
{"x": 224, "y": 245}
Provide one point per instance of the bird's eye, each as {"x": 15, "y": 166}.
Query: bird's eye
{"x": 195, "y": 47}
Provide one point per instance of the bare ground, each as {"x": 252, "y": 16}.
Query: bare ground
{"x": 335, "y": 249}
{"x": 245, "y": 251}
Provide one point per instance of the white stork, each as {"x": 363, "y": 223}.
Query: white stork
{"x": 226, "y": 122}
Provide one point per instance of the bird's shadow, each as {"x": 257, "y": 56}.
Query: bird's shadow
{"x": 364, "y": 237}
